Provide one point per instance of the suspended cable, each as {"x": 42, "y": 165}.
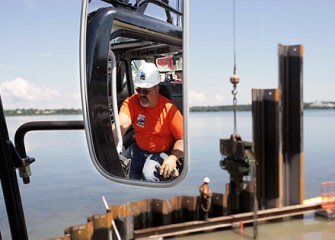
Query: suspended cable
{"x": 234, "y": 79}
{"x": 234, "y": 38}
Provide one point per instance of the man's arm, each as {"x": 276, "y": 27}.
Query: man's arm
{"x": 125, "y": 123}
{"x": 170, "y": 163}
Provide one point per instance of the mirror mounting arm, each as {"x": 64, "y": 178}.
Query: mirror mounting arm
{"x": 119, "y": 3}
{"x": 114, "y": 105}
{"x": 143, "y": 3}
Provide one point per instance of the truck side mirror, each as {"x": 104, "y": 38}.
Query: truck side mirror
{"x": 116, "y": 38}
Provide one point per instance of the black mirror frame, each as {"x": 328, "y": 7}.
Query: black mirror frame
{"x": 96, "y": 111}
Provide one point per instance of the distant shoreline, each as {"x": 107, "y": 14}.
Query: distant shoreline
{"x": 248, "y": 107}
{"x": 39, "y": 112}
{"x": 223, "y": 108}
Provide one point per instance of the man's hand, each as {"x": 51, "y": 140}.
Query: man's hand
{"x": 169, "y": 167}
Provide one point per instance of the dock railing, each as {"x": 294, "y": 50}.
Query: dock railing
{"x": 328, "y": 195}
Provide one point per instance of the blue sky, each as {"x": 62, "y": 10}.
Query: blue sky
{"x": 39, "y": 49}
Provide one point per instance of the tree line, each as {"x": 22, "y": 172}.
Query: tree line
{"x": 72, "y": 111}
{"x": 248, "y": 107}
{"x": 34, "y": 111}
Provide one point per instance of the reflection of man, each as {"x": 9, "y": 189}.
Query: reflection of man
{"x": 158, "y": 126}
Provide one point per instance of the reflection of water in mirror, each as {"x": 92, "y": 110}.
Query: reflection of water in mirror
{"x": 65, "y": 187}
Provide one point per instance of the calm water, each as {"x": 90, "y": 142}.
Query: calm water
{"x": 65, "y": 188}
{"x": 308, "y": 228}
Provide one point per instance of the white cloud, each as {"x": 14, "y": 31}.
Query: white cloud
{"x": 215, "y": 99}
{"x": 22, "y": 90}
{"x": 196, "y": 99}
{"x": 220, "y": 99}
{"x": 44, "y": 55}
{"x": 206, "y": 99}
{"x": 3, "y": 66}
{"x": 20, "y": 93}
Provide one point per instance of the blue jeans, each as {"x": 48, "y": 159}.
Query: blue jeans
{"x": 142, "y": 168}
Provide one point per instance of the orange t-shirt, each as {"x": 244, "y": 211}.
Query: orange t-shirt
{"x": 157, "y": 128}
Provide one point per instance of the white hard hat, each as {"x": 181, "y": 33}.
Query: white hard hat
{"x": 207, "y": 180}
{"x": 153, "y": 160}
{"x": 147, "y": 76}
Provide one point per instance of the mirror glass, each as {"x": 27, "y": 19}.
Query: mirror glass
{"x": 133, "y": 80}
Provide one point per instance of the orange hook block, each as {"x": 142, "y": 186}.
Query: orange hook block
{"x": 234, "y": 79}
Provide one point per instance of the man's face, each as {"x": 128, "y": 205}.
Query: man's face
{"x": 148, "y": 96}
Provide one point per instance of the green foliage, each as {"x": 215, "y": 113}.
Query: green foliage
{"x": 245, "y": 107}
{"x": 34, "y": 111}
{"x": 220, "y": 108}
{"x": 248, "y": 107}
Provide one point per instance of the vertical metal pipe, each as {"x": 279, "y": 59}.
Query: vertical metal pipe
{"x": 10, "y": 187}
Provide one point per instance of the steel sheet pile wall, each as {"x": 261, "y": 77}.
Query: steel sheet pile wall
{"x": 145, "y": 213}
{"x": 266, "y": 137}
{"x": 278, "y": 134}
{"x": 292, "y": 109}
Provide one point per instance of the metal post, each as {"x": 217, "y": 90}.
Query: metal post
{"x": 291, "y": 106}
{"x": 10, "y": 187}
{"x": 265, "y": 103}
